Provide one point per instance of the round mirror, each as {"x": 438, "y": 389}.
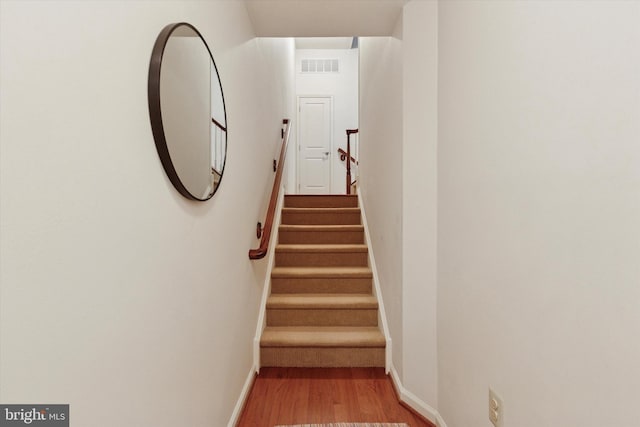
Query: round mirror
{"x": 187, "y": 111}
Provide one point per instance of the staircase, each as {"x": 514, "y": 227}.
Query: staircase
{"x": 321, "y": 311}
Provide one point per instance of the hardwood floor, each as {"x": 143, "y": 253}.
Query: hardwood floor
{"x": 317, "y": 395}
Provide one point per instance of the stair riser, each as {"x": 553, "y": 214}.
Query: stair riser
{"x": 320, "y": 237}
{"x": 322, "y": 317}
{"x": 321, "y": 218}
{"x": 320, "y": 285}
{"x": 322, "y": 357}
{"x": 321, "y": 259}
{"x": 320, "y": 202}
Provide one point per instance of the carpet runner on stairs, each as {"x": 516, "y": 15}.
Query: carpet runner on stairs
{"x": 321, "y": 311}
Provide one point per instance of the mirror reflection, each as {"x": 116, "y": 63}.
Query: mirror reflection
{"x": 192, "y": 141}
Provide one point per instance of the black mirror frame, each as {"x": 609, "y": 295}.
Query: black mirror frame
{"x": 155, "y": 111}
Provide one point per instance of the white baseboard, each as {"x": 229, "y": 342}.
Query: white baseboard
{"x": 376, "y": 286}
{"x": 237, "y": 410}
{"x": 266, "y": 289}
{"x": 415, "y": 402}
{"x": 440, "y": 422}
{"x": 261, "y": 323}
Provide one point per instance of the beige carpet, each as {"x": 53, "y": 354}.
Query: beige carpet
{"x": 349, "y": 425}
{"x": 322, "y": 312}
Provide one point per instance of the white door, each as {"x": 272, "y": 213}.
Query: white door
{"x": 314, "y": 145}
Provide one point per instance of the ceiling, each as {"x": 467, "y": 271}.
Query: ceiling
{"x": 324, "y": 42}
{"x": 324, "y": 18}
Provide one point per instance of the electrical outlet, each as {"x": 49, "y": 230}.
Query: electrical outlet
{"x": 496, "y": 409}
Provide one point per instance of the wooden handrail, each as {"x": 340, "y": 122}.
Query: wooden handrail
{"x": 349, "y": 133}
{"x": 343, "y": 156}
{"x": 261, "y": 251}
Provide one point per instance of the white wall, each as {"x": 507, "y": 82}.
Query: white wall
{"x": 381, "y": 169}
{"x": 539, "y": 212}
{"x": 419, "y": 198}
{"x": 280, "y": 54}
{"x": 277, "y": 56}
{"x": 114, "y": 288}
{"x": 343, "y": 88}
{"x": 398, "y": 122}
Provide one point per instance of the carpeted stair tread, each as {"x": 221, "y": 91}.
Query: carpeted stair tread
{"x": 323, "y": 357}
{"x": 321, "y": 255}
{"x": 318, "y": 215}
{"x": 323, "y": 209}
{"x": 315, "y": 279}
{"x": 321, "y": 227}
{"x": 321, "y": 272}
{"x": 321, "y": 234}
{"x": 322, "y": 301}
{"x": 322, "y": 336}
{"x": 320, "y": 200}
{"x": 321, "y": 248}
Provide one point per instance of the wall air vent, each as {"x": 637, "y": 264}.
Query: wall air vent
{"x": 320, "y": 66}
